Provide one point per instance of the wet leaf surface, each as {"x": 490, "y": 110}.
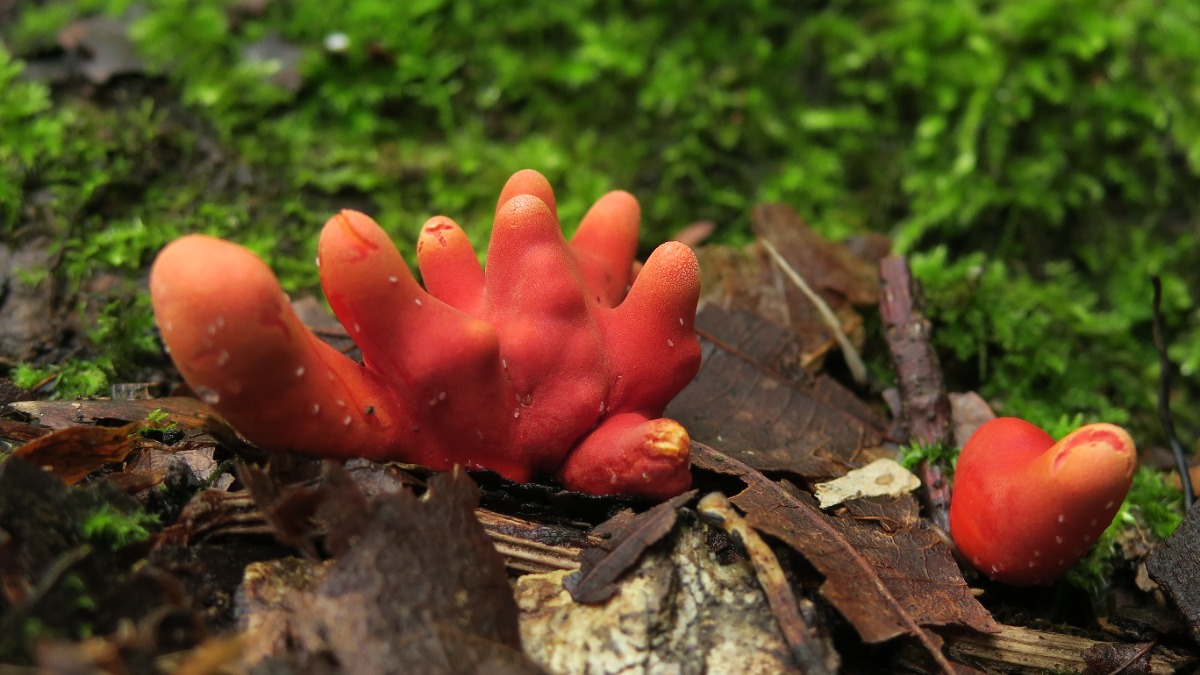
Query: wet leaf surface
{"x": 742, "y": 402}
{"x": 74, "y": 452}
{"x": 887, "y": 575}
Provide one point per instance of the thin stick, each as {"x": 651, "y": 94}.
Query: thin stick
{"x": 1164, "y": 395}
{"x": 806, "y": 648}
{"x": 853, "y": 361}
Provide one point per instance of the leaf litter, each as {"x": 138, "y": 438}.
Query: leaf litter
{"x": 377, "y": 560}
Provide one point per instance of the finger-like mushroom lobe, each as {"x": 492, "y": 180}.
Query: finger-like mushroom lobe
{"x": 1025, "y": 509}
{"x": 547, "y": 361}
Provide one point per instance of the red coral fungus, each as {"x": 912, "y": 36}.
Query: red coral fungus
{"x": 1025, "y": 509}
{"x": 540, "y": 363}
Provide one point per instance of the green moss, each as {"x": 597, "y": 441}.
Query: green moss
{"x": 938, "y": 454}
{"x": 110, "y": 528}
{"x": 1152, "y": 509}
{"x": 1036, "y": 162}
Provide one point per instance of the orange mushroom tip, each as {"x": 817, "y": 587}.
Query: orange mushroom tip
{"x": 548, "y": 361}
{"x": 1025, "y": 508}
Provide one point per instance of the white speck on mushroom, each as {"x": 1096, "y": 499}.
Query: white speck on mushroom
{"x": 357, "y": 328}
{"x": 670, "y": 343}
{"x": 1032, "y": 564}
{"x": 317, "y": 260}
{"x": 341, "y": 403}
{"x": 516, "y": 414}
{"x": 316, "y": 408}
{"x": 222, "y": 358}
{"x": 1110, "y": 504}
{"x": 1037, "y": 553}
{"x": 1058, "y": 540}
{"x": 212, "y": 329}
{"x": 300, "y": 371}
{"x": 329, "y": 374}
{"x": 169, "y": 326}
{"x": 504, "y": 363}
{"x": 208, "y": 395}
{"x": 418, "y": 301}
{"x": 346, "y": 420}
{"x": 681, "y": 321}
{"x": 1061, "y": 517}
{"x": 393, "y": 280}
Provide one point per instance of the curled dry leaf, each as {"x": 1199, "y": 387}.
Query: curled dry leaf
{"x": 886, "y": 578}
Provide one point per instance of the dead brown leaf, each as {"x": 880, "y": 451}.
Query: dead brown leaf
{"x": 887, "y": 575}
{"x": 187, "y": 413}
{"x": 418, "y": 589}
{"x": 832, "y": 269}
{"x": 742, "y": 402}
{"x": 628, "y": 537}
{"x": 71, "y": 454}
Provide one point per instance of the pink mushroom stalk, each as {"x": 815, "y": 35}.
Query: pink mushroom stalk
{"x": 1025, "y": 509}
{"x": 547, "y": 361}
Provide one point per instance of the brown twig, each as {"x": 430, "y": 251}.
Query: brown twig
{"x": 925, "y": 408}
{"x": 1164, "y": 396}
{"x": 807, "y": 651}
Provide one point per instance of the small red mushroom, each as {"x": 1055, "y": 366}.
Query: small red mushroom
{"x": 1025, "y": 509}
{"x": 547, "y": 361}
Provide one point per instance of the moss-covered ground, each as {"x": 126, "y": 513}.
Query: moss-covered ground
{"x": 1037, "y": 161}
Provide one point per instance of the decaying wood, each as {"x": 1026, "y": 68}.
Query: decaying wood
{"x": 923, "y": 401}
{"x": 918, "y": 371}
{"x": 1025, "y": 650}
{"x": 234, "y": 513}
{"x": 514, "y": 539}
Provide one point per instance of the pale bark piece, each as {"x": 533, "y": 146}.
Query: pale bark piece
{"x": 881, "y": 478}
{"x": 1030, "y": 652}
{"x": 968, "y": 412}
{"x": 678, "y": 611}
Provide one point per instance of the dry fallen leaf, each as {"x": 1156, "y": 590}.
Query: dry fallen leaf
{"x": 73, "y": 453}
{"x": 887, "y": 575}
{"x": 629, "y": 536}
{"x": 741, "y": 401}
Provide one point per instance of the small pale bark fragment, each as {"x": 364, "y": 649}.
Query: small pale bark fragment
{"x": 679, "y": 611}
{"x": 881, "y": 478}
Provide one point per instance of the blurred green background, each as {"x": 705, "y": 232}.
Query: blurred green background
{"x": 1038, "y": 161}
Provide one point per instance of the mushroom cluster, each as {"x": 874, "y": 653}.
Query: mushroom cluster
{"x": 1025, "y": 509}
{"x": 547, "y": 361}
